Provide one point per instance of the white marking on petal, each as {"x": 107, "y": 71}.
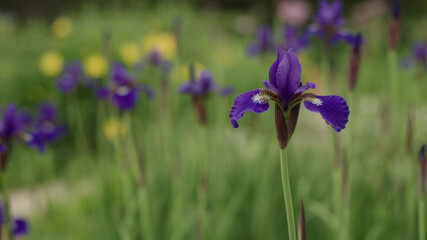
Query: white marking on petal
{"x": 28, "y": 137}
{"x": 262, "y": 97}
{"x": 316, "y": 101}
{"x": 123, "y": 91}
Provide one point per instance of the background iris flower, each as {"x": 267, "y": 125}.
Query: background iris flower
{"x": 328, "y": 23}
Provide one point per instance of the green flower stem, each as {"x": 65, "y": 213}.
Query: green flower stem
{"x": 287, "y": 194}
{"x": 394, "y": 90}
{"x": 4, "y": 191}
{"x": 421, "y": 220}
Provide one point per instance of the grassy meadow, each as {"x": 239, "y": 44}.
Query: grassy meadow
{"x": 155, "y": 173}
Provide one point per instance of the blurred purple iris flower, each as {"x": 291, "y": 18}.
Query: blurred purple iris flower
{"x": 69, "y": 78}
{"x": 285, "y": 89}
{"x": 328, "y": 23}
{"x": 203, "y": 86}
{"x": 123, "y": 90}
{"x": 263, "y": 42}
{"x": 19, "y": 225}
{"x": 418, "y": 57}
{"x": 45, "y": 127}
{"x": 292, "y": 39}
{"x": 36, "y": 132}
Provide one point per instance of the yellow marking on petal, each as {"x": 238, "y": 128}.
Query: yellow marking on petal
{"x": 62, "y": 27}
{"x": 51, "y": 63}
{"x": 130, "y": 53}
{"x": 114, "y": 128}
{"x": 95, "y": 65}
{"x": 164, "y": 43}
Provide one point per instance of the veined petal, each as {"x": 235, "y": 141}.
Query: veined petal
{"x": 256, "y": 101}
{"x": 305, "y": 87}
{"x": 275, "y": 65}
{"x": 334, "y": 109}
{"x": 288, "y": 76}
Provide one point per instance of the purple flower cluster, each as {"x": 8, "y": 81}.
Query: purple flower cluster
{"x": 203, "y": 86}
{"x": 34, "y": 131}
{"x": 70, "y": 77}
{"x": 122, "y": 90}
{"x": 328, "y": 23}
{"x": 285, "y": 89}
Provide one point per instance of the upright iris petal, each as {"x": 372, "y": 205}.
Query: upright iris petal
{"x": 286, "y": 90}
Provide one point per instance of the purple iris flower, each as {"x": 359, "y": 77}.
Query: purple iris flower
{"x": 263, "y": 42}
{"x": 328, "y": 22}
{"x": 285, "y": 89}
{"x": 19, "y": 225}
{"x": 123, "y": 90}
{"x": 292, "y": 38}
{"x": 11, "y": 124}
{"x": 2, "y": 148}
{"x": 203, "y": 86}
{"x": 45, "y": 128}
{"x": 418, "y": 57}
{"x": 200, "y": 89}
{"x": 68, "y": 80}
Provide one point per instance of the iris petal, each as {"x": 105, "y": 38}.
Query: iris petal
{"x": 125, "y": 97}
{"x": 288, "y": 76}
{"x": 334, "y": 109}
{"x": 252, "y": 101}
{"x": 275, "y": 65}
{"x": 305, "y": 87}
{"x": 20, "y": 227}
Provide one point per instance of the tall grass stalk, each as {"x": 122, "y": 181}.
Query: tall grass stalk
{"x": 421, "y": 219}
{"x": 335, "y": 158}
{"x": 287, "y": 194}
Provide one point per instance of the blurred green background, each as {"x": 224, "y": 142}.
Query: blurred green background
{"x": 144, "y": 182}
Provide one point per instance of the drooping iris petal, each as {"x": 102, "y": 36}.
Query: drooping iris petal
{"x": 288, "y": 76}
{"x": 253, "y": 101}
{"x": 342, "y": 35}
{"x": 124, "y": 97}
{"x": 334, "y": 109}
{"x": 101, "y": 92}
{"x": 35, "y": 140}
{"x": 20, "y": 227}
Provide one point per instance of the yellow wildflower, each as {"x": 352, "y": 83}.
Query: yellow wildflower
{"x": 61, "y": 27}
{"x": 164, "y": 43}
{"x": 130, "y": 53}
{"x": 114, "y": 128}
{"x": 51, "y": 63}
{"x": 95, "y": 65}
